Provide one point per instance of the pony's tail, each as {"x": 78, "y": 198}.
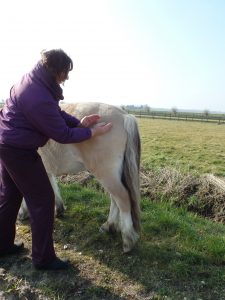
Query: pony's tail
{"x": 131, "y": 167}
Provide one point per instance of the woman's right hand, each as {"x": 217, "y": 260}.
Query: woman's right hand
{"x": 101, "y": 128}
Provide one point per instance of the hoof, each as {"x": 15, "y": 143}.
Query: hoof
{"x": 126, "y": 249}
{"x": 59, "y": 212}
{"x": 106, "y": 227}
{"x": 23, "y": 215}
{"x": 129, "y": 242}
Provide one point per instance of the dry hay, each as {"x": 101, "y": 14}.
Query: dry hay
{"x": 204, "y": 195}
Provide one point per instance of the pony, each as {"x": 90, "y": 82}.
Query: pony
{"x": 113, "y": 159}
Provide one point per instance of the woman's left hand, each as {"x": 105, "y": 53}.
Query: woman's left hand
{"x": 90, "y": 120}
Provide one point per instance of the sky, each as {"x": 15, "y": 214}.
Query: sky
{"x": 160, "y": 53}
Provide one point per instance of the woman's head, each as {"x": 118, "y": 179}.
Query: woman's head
{"x": 58, "y": 63}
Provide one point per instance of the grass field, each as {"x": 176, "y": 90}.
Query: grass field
{"x": 180, "y": 256}
{"x": 188, "y": 146}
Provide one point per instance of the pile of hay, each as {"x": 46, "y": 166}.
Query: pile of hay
{"x": 204, "y": 195}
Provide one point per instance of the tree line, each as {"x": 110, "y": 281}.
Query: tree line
{"x": 175, "y": 114}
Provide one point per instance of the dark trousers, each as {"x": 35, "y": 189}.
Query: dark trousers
{"x": 22, "y": 174}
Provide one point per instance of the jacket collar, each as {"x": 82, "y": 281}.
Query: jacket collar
{"x": 41, "y": 74}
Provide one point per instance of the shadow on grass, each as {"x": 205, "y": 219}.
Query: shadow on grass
{"x": 19, "y": 280}
{"x": 160, "y": 268}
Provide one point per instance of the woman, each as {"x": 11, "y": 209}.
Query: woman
{"x": 29, "y": 118}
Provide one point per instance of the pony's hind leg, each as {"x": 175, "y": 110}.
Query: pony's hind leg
{"x": 121, "y": 198}
{"x": 112, "y": 224}
{"x": 129, "y": 235}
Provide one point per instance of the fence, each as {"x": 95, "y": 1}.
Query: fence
{"x": 215, "y": 118}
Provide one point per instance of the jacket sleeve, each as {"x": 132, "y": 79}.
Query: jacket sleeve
{"x": 46, "y": 117}
{"x": 70, "y": 120}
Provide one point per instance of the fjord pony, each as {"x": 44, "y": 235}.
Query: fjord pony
{"x": 113, "y": 158}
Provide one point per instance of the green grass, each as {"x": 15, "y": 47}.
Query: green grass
{"x": 179, "y": 254}
{"x": 188, "y": 146}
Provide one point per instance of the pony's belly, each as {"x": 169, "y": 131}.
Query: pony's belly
{"x": 70, "y": 168}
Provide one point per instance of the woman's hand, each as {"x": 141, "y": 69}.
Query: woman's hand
{"x": 90, "y": 120}
{"x": 97, "y": 129}
{"x": 100, "y": 129}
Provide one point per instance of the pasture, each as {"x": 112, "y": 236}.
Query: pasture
{"x": 179, "y": 256}
{"x": 188, "y": 146}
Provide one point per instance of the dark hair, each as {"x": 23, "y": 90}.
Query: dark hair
{"x": 56, "y": 61}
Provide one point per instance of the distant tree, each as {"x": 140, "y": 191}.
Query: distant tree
{"x": 174, "y": 111}
{"x": 206, "y": 113}
{"x": 147, "y": 108}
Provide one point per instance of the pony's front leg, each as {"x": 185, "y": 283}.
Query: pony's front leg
{"x": 23, "y": 212}
{"x": 59, "y": 206}
{"x": 112, "y": 224}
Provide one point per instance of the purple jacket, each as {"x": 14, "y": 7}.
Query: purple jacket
{"x": 32, "y": 114}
